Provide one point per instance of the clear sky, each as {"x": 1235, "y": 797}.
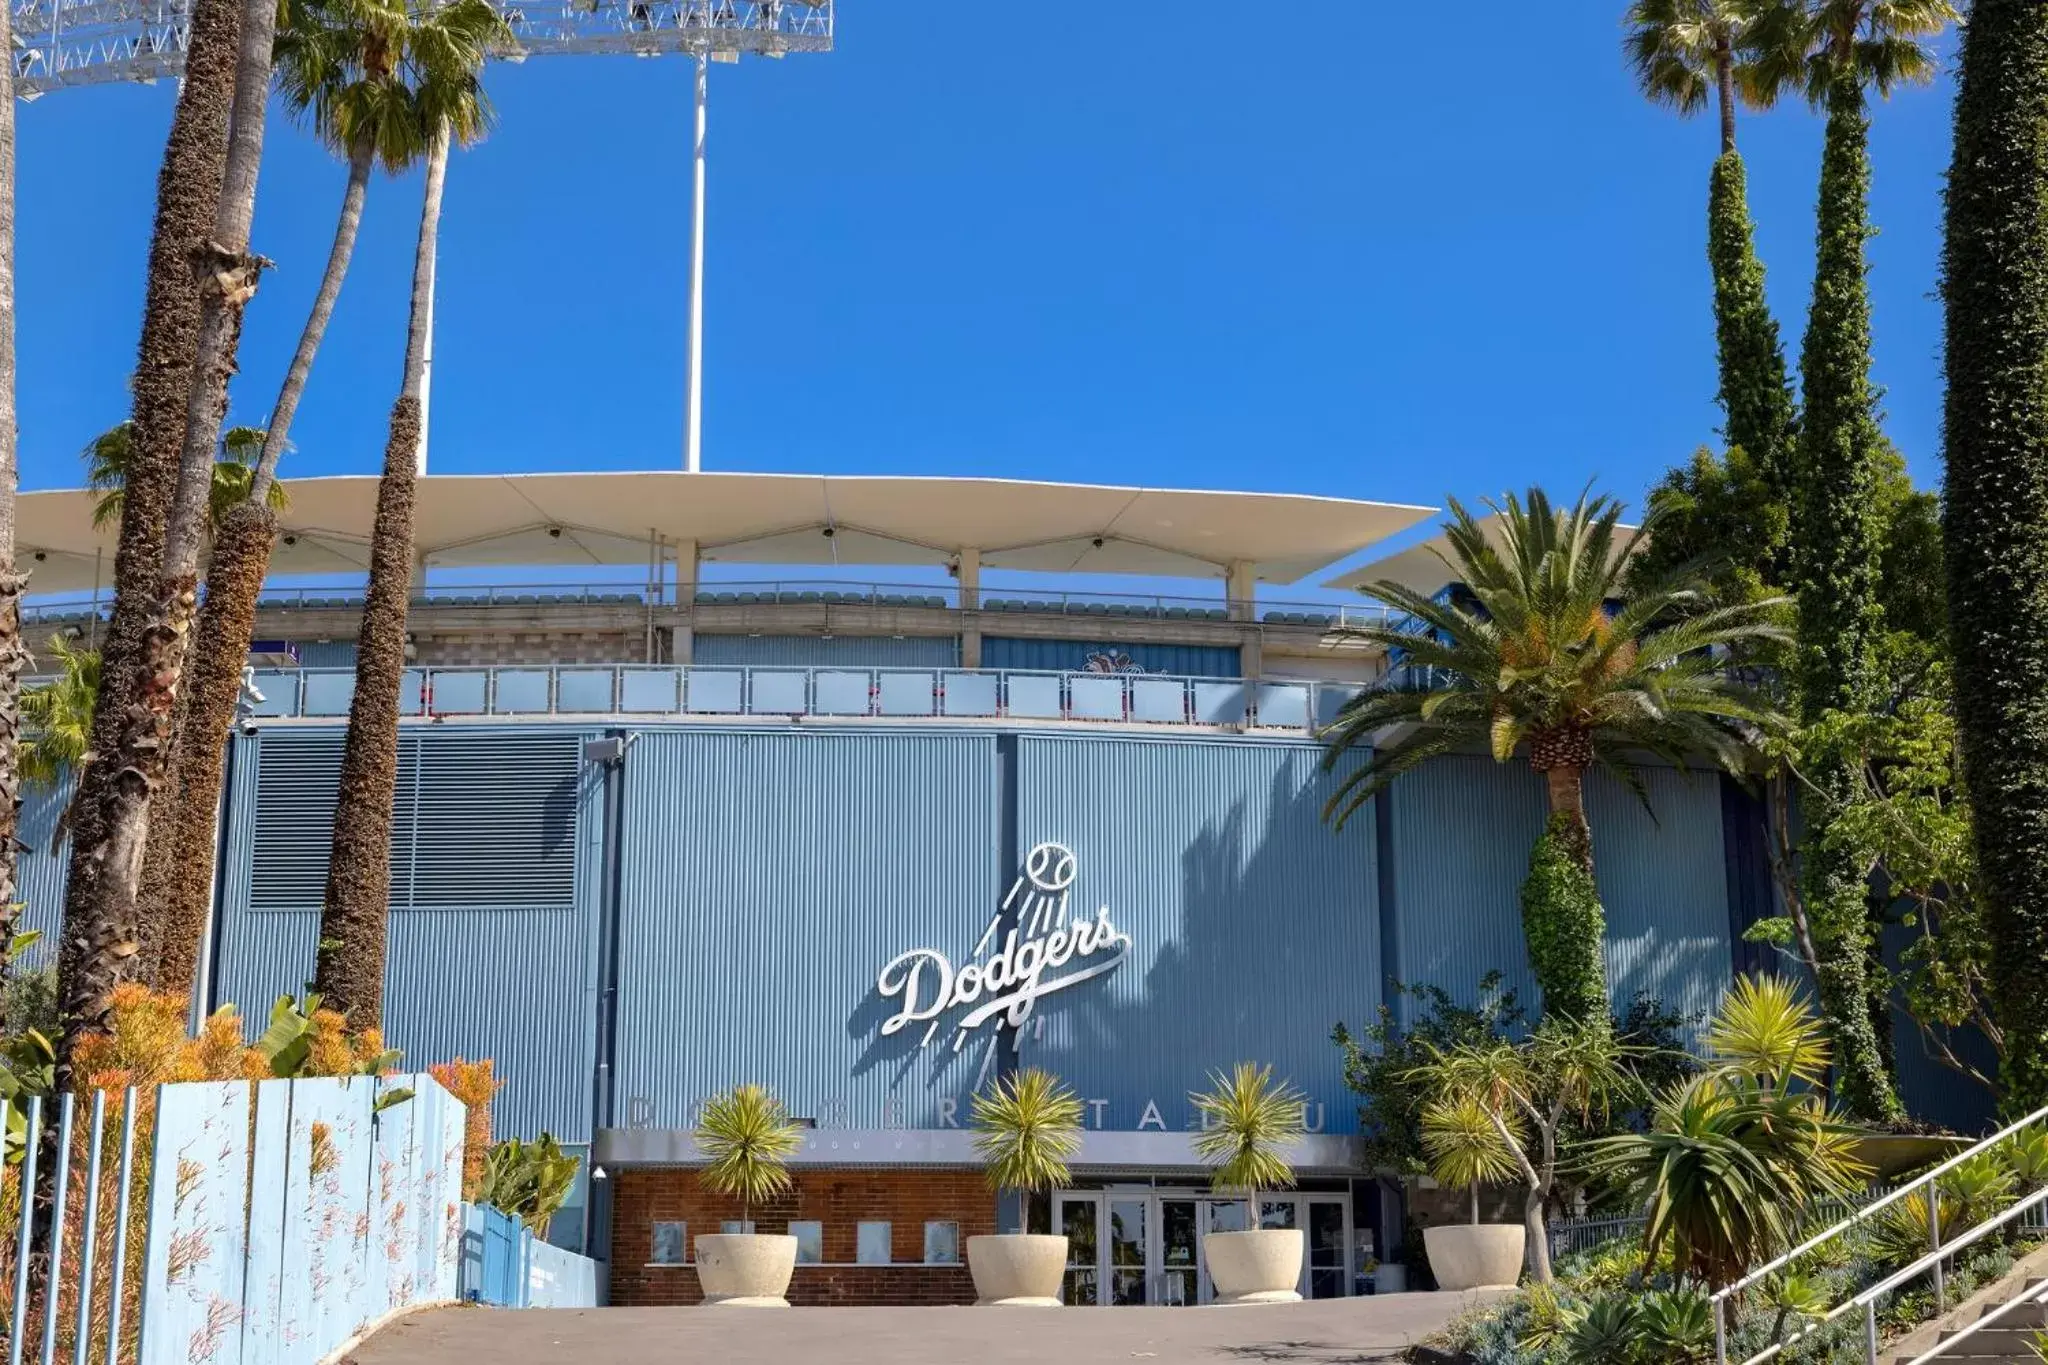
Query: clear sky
{"x": 1338, "y": 250}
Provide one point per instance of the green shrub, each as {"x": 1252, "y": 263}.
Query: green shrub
{"x": 529, "y": 1180}
{"x": 1607, "y": 1334}
{"x": 1675, "y": 1327}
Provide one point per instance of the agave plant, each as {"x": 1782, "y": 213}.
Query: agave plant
{"x": 1675, "y": 1327}
{"x": 1464, "y": 1149}
{"x": 748, "y": 1138}
{"x": 1795, "y": 1296}
{"x": 1607, "y": 1334}
{"x": 2026, "y": 1155}
{"x": 1974, "y": 1191}
{"x": 1551, "y": 1320}
{"x": 1026, "y": 1129}
{"x": 1248, "y": 1119}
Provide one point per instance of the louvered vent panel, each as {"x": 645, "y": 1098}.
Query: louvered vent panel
{"x": 477, "y": 820}
{"x": 497, "y": 821}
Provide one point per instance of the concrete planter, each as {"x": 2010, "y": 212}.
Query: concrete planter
{"x": 1476, "y": 1256}
{"x": 746, "y": 1269}
{"x": 1255, "y": 1267}
{"x": 1017, "y": 1270}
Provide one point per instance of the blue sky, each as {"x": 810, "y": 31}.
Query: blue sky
{"x": 1345, "y": 253}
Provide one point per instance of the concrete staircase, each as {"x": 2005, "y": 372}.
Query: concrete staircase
{"x": 2008, "y": 1341}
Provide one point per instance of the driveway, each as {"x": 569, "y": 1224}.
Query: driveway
{"x": 1333, "y": 1331}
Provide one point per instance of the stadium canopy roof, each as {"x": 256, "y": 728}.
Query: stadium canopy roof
{"x": 589, "y": 519}
{"x": 1421, "y": 567}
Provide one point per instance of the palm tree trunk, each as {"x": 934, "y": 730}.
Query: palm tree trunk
{"x": 1995, "y": 514}
{"x": 1563, "y": 926}
{"x": 13, "y": 657}
{"x": 183, "y": 840}
{"x": 147, "y": 736}
{"x": 355, "y": 912}
{"x": 1565, "y": 788}
{"x": 1724, "y": 78}
{"x": 99, "y": 946}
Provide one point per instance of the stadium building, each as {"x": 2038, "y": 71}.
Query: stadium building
{"x": 872, "y": 845}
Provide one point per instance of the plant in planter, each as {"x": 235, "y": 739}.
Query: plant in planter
{"x": 1248, "y": 1120}
{"x": 1026, "y": 1129}
{"x": 747, "y": 1138}
{"x": 1465, "y": 1149}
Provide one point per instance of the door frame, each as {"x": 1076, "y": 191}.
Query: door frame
{"x": 1155, "y": 1234}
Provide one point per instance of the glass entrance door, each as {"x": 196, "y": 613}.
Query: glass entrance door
{"x": 1327, "y": 1248}
{"x": 1130, "y": 1252}
{"x": 1079, "y": 1218}
{"x": 1180, "y": 1252}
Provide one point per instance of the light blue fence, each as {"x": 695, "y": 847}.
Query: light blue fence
{"x": 505, "y": 1265}
{"x": 232, "y": 1223}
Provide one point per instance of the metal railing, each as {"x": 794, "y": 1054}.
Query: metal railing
{"x": 1931, "y": 1264}
{"x": 68, "y": 607}
{"x": 1937, "y": 1253}
{"x": 763, "y": 692}
{"x": 2032, "y": 1298}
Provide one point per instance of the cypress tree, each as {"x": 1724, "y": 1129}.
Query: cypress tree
{"x": 1838, "y": 546}
{"x": 1756, "y": 393}
{"x": 1995, "y": 287}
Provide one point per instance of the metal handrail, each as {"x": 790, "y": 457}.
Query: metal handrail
{"x": 1867, "y": 1300}
{"x": 1874, "y": 1206}
{"x": 1937, "y": 1253}
{"x": 1941, "y": 1348}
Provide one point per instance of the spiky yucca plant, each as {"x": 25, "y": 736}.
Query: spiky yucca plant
{"x": 748, "y": 1138}
{"x": 1248, "y": 1118}
{"x": 1464, "y": 1148}
{"x": 1766, "y": 1028}
{"x": 1026, "y": 1129}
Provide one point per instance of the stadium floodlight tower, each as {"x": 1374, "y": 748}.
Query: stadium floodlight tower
{"x": 61, "y": 43}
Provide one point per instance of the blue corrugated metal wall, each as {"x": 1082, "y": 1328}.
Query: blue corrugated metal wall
{"x": 1071, "y": 656}
{"x": 493, "y": 933}
{"x": 828, "y": 651}
{"x": 1254, "y": 928}
{"x": 769, "y": 876}
{"x": 1463, "y": 826}
{"x": 42, "y": 866}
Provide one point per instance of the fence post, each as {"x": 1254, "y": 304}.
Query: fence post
{"x": 1934, "y": 1245}
{"x": 28, "y": 1183}
{"x": 1720, "y": 1332}
{"x": 81, "y": 1328}
{"x": 125, "y": 1184}
{"x": 61, "y": 1188}
{"x": 1870, "y": 1333}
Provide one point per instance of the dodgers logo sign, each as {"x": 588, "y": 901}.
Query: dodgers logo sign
{"x": 1044, "y": 951}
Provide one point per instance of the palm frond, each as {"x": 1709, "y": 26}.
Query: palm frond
{"x": 1248, "y": 1120}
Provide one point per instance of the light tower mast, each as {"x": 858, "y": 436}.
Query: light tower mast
{"x": 60, "y": 43}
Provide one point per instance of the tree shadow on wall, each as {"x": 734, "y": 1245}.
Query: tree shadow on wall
{"x": 1273, "y": 937}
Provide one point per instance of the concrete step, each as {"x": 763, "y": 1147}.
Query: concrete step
{"x": 1999, "y": 1345}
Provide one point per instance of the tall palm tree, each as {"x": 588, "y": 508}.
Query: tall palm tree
{"x": 1685, "y": 52}
{"x": 1548, "y": 645}
{"x": 109, "y": 455}
{"x": 371, "y": 78}
{"x": 349, "y": 969}
{"x": 98, "y": 949}
{"x": 56, "y": 718}
{"x": 13, "y": 657}
{"x": 1837, "y": 51}
{"x": 1995, "y": 523}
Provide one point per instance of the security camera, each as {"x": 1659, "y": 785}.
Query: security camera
{"x": 828, "y": 532}
{"x": 1098, "y": 542}
{"x": 554, "y": 533}
{"x": 291, "y": 540}
{"x": 41, "y": 555}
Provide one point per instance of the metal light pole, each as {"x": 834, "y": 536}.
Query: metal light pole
{"x": 66, "y": 43}
{"x": 693, "y": 440}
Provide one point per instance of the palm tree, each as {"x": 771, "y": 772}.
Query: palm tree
{"x": 97, "y": 950}
{"x": 1995, "y": 512}
{"x": 349, "y": 969}
{"x": 1836, "y": 51}
{"x": 57, "y": 715}
{"x": 374, "y": 79}
{"x": 13, "y": 657}
{"x": 1684, "y": 52}
{"x": 108, "y": 457}
{"x": 1548, "y": 644}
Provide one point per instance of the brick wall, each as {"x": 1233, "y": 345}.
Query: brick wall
{"x": 837, "y": 1199}
{"x": 492, "y": 649}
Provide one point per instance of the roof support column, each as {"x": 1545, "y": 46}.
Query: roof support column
{"x": 683, "y": 640}
{"x": 968, "y": 572}
{"x": 1238, "y": 588}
